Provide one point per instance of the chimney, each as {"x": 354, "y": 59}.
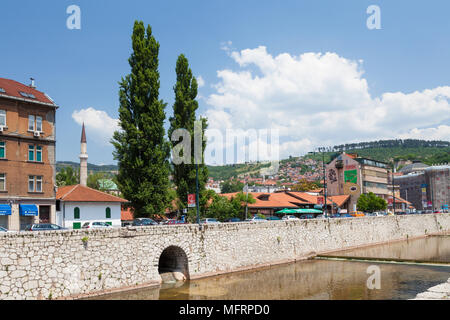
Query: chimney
{"x": 32, "y": 83}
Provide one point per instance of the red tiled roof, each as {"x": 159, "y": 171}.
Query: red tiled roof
{"x": 126, "y": 214}
{"x": 13, "y": 87}
{"x": 79, "y": 193}
{"x": 274, "y": 200}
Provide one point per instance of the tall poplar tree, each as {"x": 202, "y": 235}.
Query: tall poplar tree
{"x": 141, "y": 148}
{"x": 184, "y": 109}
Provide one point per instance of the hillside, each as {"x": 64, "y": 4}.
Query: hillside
{"x": 91, "y": 166}
{"x": 309, "y": 165}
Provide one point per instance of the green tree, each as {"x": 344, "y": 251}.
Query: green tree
{"x": 305, "y": 185}
{"x": 230, "y": 186}
{"x": 67, "y": 177}
{"x": 93, "y": 180}
{"x": 184, "y": 109}
{"x": 370, "y": 203}
{"x": 140, "y": 146}
{"x": 223, "y": 208}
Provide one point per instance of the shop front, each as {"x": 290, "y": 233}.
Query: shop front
{"x": 5, "y": 212}
{"x": 27, "y": 213}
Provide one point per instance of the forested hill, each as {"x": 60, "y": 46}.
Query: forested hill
{"x": 398, "y": 143}
{"x": 91, "y": 167}
{"x": 429, "y": 152}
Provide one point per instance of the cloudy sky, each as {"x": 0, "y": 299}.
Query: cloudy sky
{"x": 311, "y": 71}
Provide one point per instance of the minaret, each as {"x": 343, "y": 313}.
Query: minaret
{"x": 83, "y": 158}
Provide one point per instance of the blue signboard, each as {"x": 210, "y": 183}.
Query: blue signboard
{"x": 28, "y": 210}
{"x": 5, "y": 210}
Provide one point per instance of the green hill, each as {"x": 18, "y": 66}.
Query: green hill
{"x": 91, "y": 167}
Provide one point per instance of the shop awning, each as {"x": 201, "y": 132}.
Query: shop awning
{"x": 28, "y": 210}
{"x": 5, "y": 210}
{"x": 308, "y": 211}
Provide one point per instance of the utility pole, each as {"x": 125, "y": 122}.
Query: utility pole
{"x": 325, "y": 212}
{"x": 393, "y": 191}
{"x": 196, "y": 196}
{"x": 246, "y": 198}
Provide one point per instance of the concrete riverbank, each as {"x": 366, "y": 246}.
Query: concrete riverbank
{"x": 439, "y": 292}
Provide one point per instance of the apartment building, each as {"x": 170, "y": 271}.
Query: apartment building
{"x": 351, "y": 175}
{"x": 27, "y": 155}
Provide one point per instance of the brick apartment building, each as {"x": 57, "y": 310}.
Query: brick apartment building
{"x": 27, "y": 155}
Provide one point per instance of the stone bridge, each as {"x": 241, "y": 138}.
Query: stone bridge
{"x": 73, "y": 263}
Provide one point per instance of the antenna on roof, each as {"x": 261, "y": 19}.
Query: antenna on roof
{"x": 32, "y": 83}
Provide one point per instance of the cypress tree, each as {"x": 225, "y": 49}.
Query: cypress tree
{"x": 184, "y": 117}
{"x": 141, "y": 148}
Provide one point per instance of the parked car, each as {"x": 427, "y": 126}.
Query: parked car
{"x": 290, "y": 217}
{"x": 345, "y": 215}
{"x": 174, "y": 221}
{"x": 234, "y": 220}
{"x": 273, "y": 218}
{"x": 428, "y": 211}
{"x": 144, "y": 222}
{"x": 209, "y": 220}
{"x": 307, "y": 216}
{"x": 400, "y": 213}
{"x": 357, "y": 214}
{"x": 256, "y": 219}
{"x": 43, "y": 227}
{"x": 3, "y": 229}
{"x": 335, "y": 215}
{"x": 95, "y": 225}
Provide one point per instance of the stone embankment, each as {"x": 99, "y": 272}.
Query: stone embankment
{"x": 73, "y": 263}
{"x": 439, "y": 292}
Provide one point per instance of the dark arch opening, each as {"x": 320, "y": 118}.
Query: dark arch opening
{"x": 173, "y": 259}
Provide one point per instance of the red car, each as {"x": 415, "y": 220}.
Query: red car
{"x": 174, "y": 221}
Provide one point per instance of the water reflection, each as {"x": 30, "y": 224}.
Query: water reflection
{"x": 317, "y": 279}
{"x": 430, "y": 248}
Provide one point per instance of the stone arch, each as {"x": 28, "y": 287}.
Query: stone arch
{"x": 173, "y": 259}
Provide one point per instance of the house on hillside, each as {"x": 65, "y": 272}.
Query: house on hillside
{"x": 77, "y": 204}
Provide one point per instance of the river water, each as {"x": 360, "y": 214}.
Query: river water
{"x": 319, "y": 279}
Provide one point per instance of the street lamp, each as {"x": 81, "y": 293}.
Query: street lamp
{"x": 393, "y": 191}
{"x": 325, "y": 212}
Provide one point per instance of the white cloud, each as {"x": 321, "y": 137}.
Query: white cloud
{"x": 98, "y": 124}
{"x": 200, "y": 81}
{"x": 317, "y": 99}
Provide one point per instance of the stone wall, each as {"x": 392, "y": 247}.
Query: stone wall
{"x": 47, "y": 265}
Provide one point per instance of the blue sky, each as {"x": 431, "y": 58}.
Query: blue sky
{"x": 80, "y": 69}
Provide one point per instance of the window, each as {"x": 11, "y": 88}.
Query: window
{"x": 34, "y": 153}
{"x": 38, "y": 153}
{"x": 38, "y": 183}
{"x": 31, "y": 123}
{"x": 2, "y": 150}
{"x": 34, "y": 183}
{"x": 34, "y": 123}
{"x": 2, "y": 118}
{"x": 30, "y": 183}
{"x": 108, "y": 213}
{"x": 76, "y": 213}
{"x": 39, "y": 124}
{"x": 2, "y": 181}
{"x": 31, "y": 152}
